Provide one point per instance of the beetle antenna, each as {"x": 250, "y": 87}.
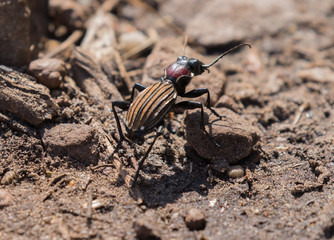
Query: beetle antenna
{"x": 185, "y": 45}
{"x": 225, "y": 53}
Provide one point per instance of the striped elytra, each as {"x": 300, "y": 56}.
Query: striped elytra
{"x": 150, "y": 107}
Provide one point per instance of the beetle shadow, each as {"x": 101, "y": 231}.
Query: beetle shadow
{"x": 171, "y": 187}
{"x": 157, "y": 192}
{"x": 188, "y": 176}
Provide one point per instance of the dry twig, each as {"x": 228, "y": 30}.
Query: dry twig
{"x": 152, "y": 38}
{"x": 301, "y": 109}
{"x": 54, "y": 188}
{"x": 122, "y": 70}
{"x": 73, "y": 38}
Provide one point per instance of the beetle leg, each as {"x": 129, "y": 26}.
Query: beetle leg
{"x": 141, "y": 161}
{"x": 194, "y": 105}
{"x": 137, "y": 86}
{"x": 124, "y": 105}
{"x": 199, "y": 92}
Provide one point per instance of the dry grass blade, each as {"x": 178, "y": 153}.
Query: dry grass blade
{"x": 152, "y": 38}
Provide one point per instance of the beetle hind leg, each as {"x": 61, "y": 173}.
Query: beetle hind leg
{"x": 124, "y": 105}
{"x": 142, "y": 160}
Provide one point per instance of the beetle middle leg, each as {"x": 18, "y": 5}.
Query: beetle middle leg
{"x": 199, "y": 92}
{"x": 141, "y": 161}
{"x": 137, "y": 86}
{"x": 194, "y": 105}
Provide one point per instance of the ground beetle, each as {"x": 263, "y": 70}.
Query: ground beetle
{"x": 148, "y": 109}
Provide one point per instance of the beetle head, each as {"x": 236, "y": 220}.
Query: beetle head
{"x": 183, "y": 70}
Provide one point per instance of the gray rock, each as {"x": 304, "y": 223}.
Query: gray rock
{"x": 234, "y": 134}
{"x": 78, "y": 141}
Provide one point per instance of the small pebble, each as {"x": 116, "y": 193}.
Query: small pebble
{"x": 5, "y": 198}
{"x": 236, "y": 171}
{"x": 8, "y": 178}
{"x": 195, "y": 219}
{"x": 48, "y": 71}
{"x": 147, "y": 226}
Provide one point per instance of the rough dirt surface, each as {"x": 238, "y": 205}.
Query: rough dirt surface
{"x": 56, "y": 181}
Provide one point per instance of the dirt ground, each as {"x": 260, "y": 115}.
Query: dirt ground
{"x": 56, "y": 182}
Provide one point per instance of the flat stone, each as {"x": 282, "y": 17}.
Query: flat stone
{"x": 234, "y": 134}
{"x": 78, "y": 141}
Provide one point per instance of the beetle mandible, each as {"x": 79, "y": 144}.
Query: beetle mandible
{"x": 148, "y": 109}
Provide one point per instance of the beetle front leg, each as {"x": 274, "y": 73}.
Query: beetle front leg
{"x": 194, "y": 105}
{"x": 124, "y": 105}
{"x": 141, "y": 161}
{"x": 199, "y": 92}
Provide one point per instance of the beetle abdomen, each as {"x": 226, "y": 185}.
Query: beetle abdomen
{"x": 150, "y": 107}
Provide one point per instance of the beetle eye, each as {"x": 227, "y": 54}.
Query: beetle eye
{"x": 181, "y": 58}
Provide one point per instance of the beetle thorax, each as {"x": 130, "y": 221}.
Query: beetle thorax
{"x": 177, "y": 70}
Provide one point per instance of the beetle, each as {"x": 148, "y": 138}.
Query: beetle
{"x": 147, "y": 110}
